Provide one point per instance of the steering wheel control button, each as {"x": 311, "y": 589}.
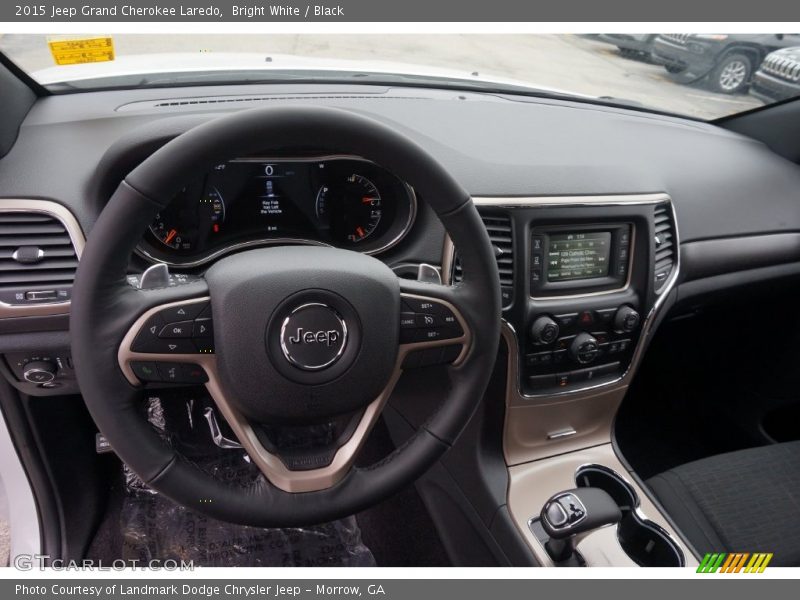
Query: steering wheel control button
{"x": 408, "y": 320}
{"x": 147, "y": 339}
{"x": 146, "y": 371}
{"x": 313, "y": 336}
{"x": 431, "y": 321}
{"x": 181, "y": 329}
{"x": 428, "y": 357}
{"x": 202, "y": 328}
{"x": 183, "y": 312}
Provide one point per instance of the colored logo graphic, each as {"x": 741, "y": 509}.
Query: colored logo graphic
{"x": 738, "y": 562}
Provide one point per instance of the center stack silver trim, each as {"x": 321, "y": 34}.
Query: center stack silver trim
{"x": 508, "y": 331}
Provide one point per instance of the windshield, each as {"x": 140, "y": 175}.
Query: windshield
{"x": 705, "y": 76}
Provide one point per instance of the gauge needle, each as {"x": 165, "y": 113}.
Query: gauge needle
{"x": 360, "y": 232}
{"x": 366, "y": 200}
{"x": 172, "y": 233}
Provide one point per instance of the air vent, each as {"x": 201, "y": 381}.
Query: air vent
{"x": 499, "y": 229}
{"x": 664, "y": 245}
{"x": 37, "y": 258}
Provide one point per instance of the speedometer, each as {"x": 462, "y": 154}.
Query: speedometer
{"x": 351, "y": 206}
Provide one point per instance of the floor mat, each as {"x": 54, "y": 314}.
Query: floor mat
{"x": 141, "y": 525}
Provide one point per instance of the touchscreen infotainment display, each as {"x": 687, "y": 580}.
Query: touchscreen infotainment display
{"x": 579, "y": 255}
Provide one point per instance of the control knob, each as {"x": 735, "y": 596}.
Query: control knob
{"x": 39, "y": 371}
{"x": 626, "y": 320}
{"x": 544, "y": 331}
{"x": 584, "y": 348}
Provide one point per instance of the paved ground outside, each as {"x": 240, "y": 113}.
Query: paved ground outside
{"x": 568, "y": 62}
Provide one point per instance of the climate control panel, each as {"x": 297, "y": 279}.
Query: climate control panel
{"x": 578, "y": 348}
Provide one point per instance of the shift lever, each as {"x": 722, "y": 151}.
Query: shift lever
{"x": 571, "y": 515}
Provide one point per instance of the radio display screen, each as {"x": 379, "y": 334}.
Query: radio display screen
{"x": 579, "y": 255}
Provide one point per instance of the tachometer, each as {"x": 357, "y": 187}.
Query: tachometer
{"x": 186, "y": 225}
{"x": 352, "y": 208}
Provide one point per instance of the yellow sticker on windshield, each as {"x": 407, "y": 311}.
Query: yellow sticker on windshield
{"x": 81, "y": 51}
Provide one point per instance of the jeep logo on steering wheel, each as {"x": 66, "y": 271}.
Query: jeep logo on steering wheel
{"x": 313, "y": 336}
{"x": 329, "y": 338}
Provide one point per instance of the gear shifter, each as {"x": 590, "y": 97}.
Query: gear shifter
{"x": 571, "y": 515}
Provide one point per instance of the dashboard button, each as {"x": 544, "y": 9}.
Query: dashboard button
{"x": 586, "y": 319}
{"x": 541, "y": 382}
{"x": 567, "y": 319}
{"x": 506, "y": 295}
{"x": 181, "y": 329}
{"x": 605, "y": 315}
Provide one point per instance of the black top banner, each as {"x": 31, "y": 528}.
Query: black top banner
{"x": 598, "y": 11}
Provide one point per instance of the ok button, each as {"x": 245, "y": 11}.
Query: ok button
{"x": 181, "y": 329}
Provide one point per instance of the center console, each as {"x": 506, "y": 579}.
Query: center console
{"x": 585, "y": 281}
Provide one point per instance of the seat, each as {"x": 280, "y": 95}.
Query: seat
{"x": 744, "y": 501}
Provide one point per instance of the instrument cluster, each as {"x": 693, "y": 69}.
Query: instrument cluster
{"x": 338, "y": 201}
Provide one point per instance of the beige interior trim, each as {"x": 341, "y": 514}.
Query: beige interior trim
{"x": 270, "y": 464}
{"x": 532, "y": 484}
{"x": 73, "y": 229}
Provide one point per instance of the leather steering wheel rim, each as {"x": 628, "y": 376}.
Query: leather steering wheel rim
{"x": 105, "y": 306}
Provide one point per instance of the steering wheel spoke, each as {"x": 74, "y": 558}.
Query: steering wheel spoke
{"x": 170, "y": 344}
{"x": 433, "y": 330}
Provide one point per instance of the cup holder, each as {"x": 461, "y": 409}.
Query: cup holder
{"x": 646, "y": 543}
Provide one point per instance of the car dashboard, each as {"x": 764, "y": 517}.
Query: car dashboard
{"x": 603, "y": 220}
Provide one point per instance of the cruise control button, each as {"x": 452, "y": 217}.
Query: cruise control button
{"x": 202, "y": 328}
{"x": 408, "y": 320}
{"x": 181, "y": 329}
{"x": 183, "y": 312}
{"x": 145, "y": 371}
{"x": 427, "y": 321}
{"x": 417, "y": 305}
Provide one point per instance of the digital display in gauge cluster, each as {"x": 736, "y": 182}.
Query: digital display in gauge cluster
{"x": 343, "y": 202}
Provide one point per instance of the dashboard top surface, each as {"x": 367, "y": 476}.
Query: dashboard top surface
{"x": 494, "y": 145}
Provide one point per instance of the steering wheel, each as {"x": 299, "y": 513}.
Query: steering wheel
{"x": 283, "y": 337}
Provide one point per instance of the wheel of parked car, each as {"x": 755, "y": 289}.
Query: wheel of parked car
{"x": 732, "y": 74}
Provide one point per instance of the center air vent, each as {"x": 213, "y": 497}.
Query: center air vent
{"x": 499, "y": 229}
{"x": 664, "y": 245}
{"x": 37, "y": 258}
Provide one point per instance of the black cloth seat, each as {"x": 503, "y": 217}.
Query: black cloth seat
{"x": 744, "y": 501}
